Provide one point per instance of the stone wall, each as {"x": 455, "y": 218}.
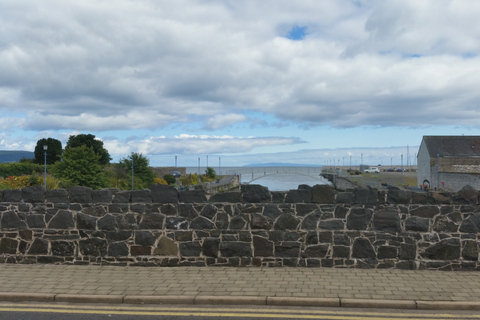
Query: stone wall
{"x": 309, "y": 227}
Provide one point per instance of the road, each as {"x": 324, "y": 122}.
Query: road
{"x": 55, "y": 311}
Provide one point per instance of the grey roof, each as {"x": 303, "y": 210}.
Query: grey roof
{"x": 453, "y": 146}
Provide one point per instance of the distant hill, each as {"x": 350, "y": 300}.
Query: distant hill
{"x": 15, "y": 156}
{"x": 279, "y": 164}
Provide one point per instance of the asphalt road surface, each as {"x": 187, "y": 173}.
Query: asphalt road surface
{"x": 30, "y": 311}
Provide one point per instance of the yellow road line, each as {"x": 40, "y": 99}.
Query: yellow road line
{"x": 181, "y": 312}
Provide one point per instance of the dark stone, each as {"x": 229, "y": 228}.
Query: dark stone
{"x": 144, "y": 238}
{"x": 299, "y": 196}
{"x": 316, "y": 251}
{"x": 62, "y": 220}
{"x": 387, "y": 252}
{"x": 322, "y": 193}
{"x": 439, "y": 198}
{"x": 260, "y": 222}
{"x": 304, "y": 209}
{"x": 345, "y": 197}
{"x": 262, "y": 247}
{"x": 10, "y": 220}
{"x": 26, "y": 234}
{"x": 107, "y": 222}
{"x": 202, "y": 223}
{"x": 192, "y": 196}
{"x": 341, "y": 239}
{"x": 425, "y": 211}
{"x": 334, "y": 224}
{"x": 237, "y": 223}
{"x": 127, "y": 221}
{"x": 235, "y": 249}
{"x": 80, "y": 194}
{"x": 8, "y": 246}
{"x": 190, "y": 249}
{"x": 166, "y": 247}
{"x": 93, "y": 247}
{"x": 419, "y": 198}
{"x": 176, "y": 223}
{"x": 254, "y": 193}
{"x": 470, "y": 250}
{"x": 310, "y": 222}
{"x": 366, "y": 195}
{"x": 417, "y": 224}
{"x": 210, "y": 247}
{"x": 286, "y": 222}
{"x": 183, "y": 235}
{"x": 227, "y": 197}
{"x": 287, "y": 249}
{"x": 406, "y": 265}
{"x": 466, "y": 195}
{"x": 152, "y": 221}
{"x": 276, "y": 236}
{"x": 63, "y": 248}
{"x": 446, "y": 249}
{"x": 168, "y": 209}
{"x": 36, "y": 221}
{"x": 118, "y": 249}
{"x": 142, "y": 196}
{"x": 387, "y": 221}
{"x": 209, "y": 211}
{"x": 359, "y": 219}
{"x": 57, "y": 196}
{"x": 398, "y": 196}
{"x": 278, "y": 196}
{"x": 140, "y": 251}
{"x": 470, "y": 225}
{"x": 34, "y": 194}
{"x": 103, "y": 195}
{"x": 118, "y": 207}
{"x": 38, "y": 246}
{"x": 325, "y": 237}
{"x": 12, "y": 195}
{"x": 221, "y": 221}
{"x": 163, "y": 193}
{"x": 122, "y": 235}
{"x": 187, "y": 211}
{"x": 86, "y": 222}
{"x": 272, "y": 212}
{"x": 341, "y": 252}
{"x": 362, "y": 248}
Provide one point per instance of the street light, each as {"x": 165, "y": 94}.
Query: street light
{"x": 45, "y": 148}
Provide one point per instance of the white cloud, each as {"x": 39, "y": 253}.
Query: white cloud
{"x": 224, "y": 120}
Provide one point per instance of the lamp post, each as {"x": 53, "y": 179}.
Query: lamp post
{"x": 45, "y": 148}
{"x": 132, "y": 171}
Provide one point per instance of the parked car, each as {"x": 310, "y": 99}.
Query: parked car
{"x": 390, "y": 170}
{"x": 399, "y": 170}
{"x": 372, "y": 170}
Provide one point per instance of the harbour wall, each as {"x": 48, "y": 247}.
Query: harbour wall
{"x": 307, "y": 227}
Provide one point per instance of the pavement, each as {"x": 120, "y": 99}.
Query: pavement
{"x": 322, "y": 287}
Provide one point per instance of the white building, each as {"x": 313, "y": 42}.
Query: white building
{"x": 449, "y": 162}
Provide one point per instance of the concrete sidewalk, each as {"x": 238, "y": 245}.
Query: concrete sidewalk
{"x": 385, "y": 288}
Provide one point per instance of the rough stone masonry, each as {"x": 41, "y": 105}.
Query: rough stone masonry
{"x": 308, "y": 227}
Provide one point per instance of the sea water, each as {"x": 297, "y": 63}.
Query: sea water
{"x": 274, "y": 178}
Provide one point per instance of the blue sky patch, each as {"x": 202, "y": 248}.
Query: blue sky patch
{"x": 297, "y": 33}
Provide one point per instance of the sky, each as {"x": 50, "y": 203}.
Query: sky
{"x": 314, "y": 82}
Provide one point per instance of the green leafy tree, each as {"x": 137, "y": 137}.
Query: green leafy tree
{"x": 89, "y": 140}
{"x": 80, "y": 166}
{"x": 54, "y": 151}
{"x": 141, "y": 169}
{"x": 169, "y": 178}
{"x": 211, "y": 172}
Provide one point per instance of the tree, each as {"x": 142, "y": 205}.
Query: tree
{"x": 80, "y": 167}
{"x": 89, "y": 140}
{"x": 54, "y": 151}
{"x": 211, "y": 172}
{"x": 141, "y": 169}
